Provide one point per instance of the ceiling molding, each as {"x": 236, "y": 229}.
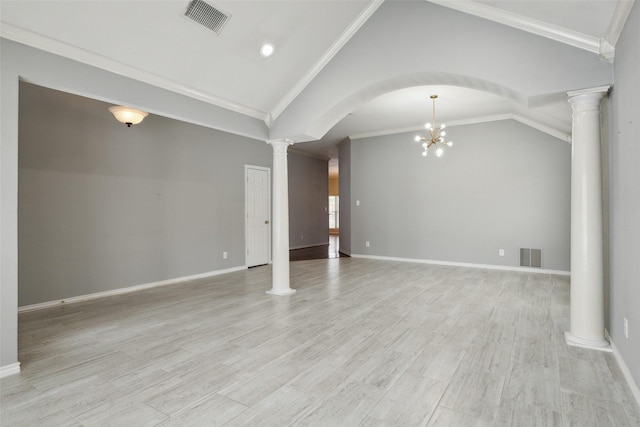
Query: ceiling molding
{"x": 38, "y": 41}
{"x": 556, "y": 133}
{"x": 619, "y": 19}
{"x": 534, "y": 26}
{"x": 324, "y": 60}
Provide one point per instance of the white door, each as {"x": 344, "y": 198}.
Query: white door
{"x": 258, "y": 215}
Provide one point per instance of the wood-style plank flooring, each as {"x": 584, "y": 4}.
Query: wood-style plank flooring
{"x": 362, "y": 342}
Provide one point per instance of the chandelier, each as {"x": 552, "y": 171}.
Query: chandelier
{"x": 436, "y": 136}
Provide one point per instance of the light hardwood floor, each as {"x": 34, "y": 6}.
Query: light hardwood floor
{"x": 362, "y": 342}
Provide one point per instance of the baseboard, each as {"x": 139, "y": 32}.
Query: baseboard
{"x": 12, "y": 369}
{"x": 127, "y": 290}
{"x": 466, "y": 264}
{"x": 625, "y": 369}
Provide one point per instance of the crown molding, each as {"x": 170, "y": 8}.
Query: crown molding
{"x": 38, "y": 41}
{"x": 324, "y": 60}
{"x": 619, "y": 19}
{"x": 556, "y": 133}
{"x": 530, "y": 25}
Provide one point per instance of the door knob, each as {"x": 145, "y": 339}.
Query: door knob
{"x": 266, "y": 221}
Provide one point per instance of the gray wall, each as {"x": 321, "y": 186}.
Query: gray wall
{"x": 308, "y": 200}
{"x": 624, "y": 195}
{"x": 345, "y": 196}
{"x": 503, "y": 185}
{"x": 102, "y": 206}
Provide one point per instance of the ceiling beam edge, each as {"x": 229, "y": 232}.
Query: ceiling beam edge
{"x": 530, "y": 25}
{"x": 38, "y": 41}
{"x": 324, "y": 60}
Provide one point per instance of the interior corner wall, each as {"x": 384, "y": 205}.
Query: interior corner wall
{"x": 503, "y": 185}
{"x": 308, "y": 200}
{"x": 344, "y": 184}
{"x": 624, "y": 196}
{"x": 102, "y": 206}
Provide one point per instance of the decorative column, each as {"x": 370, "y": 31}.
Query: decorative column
{"x": 587, "y": 277}
{"x": 280, "y": 252}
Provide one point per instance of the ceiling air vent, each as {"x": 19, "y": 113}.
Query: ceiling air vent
{"x": 206, "y": 15}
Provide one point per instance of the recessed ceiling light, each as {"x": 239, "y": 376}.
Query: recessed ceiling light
{"x": 266, "y": 50}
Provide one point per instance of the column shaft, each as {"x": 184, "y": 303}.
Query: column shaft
{"x": 280, "y": 251}
{"x": 587, "y": 277}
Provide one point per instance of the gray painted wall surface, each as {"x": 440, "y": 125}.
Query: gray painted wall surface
{"x": 103, "y": 206}
{"x": 308, "y": 200}
{"x": 624, "y": 195}
{"x": 503, "y": 185}
{"x": 345, "y": 196}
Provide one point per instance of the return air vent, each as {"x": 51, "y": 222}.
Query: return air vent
{"x": 206, "y": 15}
{"x": 530, "y": 257}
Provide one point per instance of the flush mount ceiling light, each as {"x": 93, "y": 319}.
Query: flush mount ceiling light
{"x": 267, "y": 50}
{"x": 127, "y": 115}
{"x": 436, "y": 135}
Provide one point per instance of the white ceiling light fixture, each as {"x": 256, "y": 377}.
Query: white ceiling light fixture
{"x": 436, "y": 135}
{"x": 267, "y": 50}
{"x": 127, "y": 115}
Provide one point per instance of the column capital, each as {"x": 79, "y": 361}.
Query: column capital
{"x": 594, "y": 93}
{"x": 280, "y": 145}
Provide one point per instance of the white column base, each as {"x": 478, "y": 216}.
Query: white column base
{"x": 601, "y": 345}
{"x": 281, "y": 292}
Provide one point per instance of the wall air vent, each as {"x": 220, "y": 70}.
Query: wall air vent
{"x": 206, "y": 15}
{"x": 530, "y": 257}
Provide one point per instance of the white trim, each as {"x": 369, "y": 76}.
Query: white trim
{"x": 466, "y": 264}
{"x": 7, "y": 370}
{"x": 524, "y": 23}
{"x": 619, "y": 19}
{"x": 57, "y": 47}
{"x": 556, "y": 133}
{"x": 624, "y": 368}
{"x": 588, "y": 91}
{"x": 563, "y": 136}
{"x": 324, "y": 60}
{"x": 129, "y": 289}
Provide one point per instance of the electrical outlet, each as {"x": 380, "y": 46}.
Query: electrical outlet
{"x": 501, "y": 252}
{"x": 302, "y": 237}
{"x": 357, "y": 202}
{"x": 626, "y": 328}
{"x": 367, "y": 244}
{"x": 224, "y": 255}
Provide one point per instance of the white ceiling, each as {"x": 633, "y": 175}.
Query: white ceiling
{"x": 152, "y": 41}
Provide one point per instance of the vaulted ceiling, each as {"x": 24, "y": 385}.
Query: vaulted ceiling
{"x": 154, "y": 42}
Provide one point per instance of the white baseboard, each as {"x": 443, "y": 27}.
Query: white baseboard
{"x": 466, "y": 264}
{"x": 12, "y": 369}
{"x": 625, "y": 369}
{"x": 127, "y": 290}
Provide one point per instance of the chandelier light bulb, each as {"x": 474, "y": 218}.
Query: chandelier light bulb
{"x": 435, "y": 135}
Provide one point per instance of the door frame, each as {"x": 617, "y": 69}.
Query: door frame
{"x": 246, "y": 210}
